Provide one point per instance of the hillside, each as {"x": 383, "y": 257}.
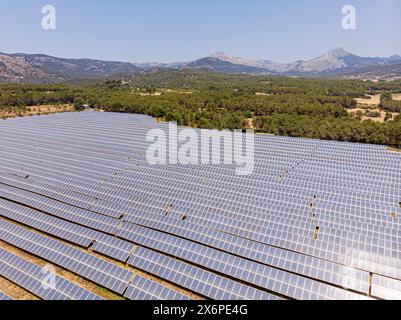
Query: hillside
{"x": 38, "y": 68}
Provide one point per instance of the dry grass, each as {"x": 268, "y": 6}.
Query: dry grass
{"x": 390, "y": 149}
{"x": 374, "y": 101}
{"x": 397, "y": 96}
{"x": 375, "y": 119}
{"x": 250, "y": 124}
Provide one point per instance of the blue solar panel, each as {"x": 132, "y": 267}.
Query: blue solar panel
{"x": 4, "y": 297}
{"x": 113, "y": 247}
{"x": 39, "y": 281}
{"x": 201, "y": 281}
{"x": 48, "y": 224}
{"x": 318, "y": 217}
{"x": 145, "y": 289}
{"x": 88, "y": 266}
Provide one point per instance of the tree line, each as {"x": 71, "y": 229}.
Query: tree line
{"x": 314, "y": 108}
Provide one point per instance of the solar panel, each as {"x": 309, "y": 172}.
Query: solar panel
{"x": 195, "y": 279}
{"x": 48, "y": 224}
{"x": 145, "y": 289}
{"x": 90, "y": 169}
{"x": 4, "y": 297}
{"x": 386, "y": 288}
{"x": 39, "y": 281}
{"x": 88, "y": 266}
{"x": 113, "y": 247}
{"x": 316, "y": 268}
{"x": 254, "y": 273}
{"x": 67, "y": 212}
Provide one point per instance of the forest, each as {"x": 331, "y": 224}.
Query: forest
{"x": 312, "y": 108}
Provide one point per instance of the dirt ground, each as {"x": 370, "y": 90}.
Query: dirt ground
{"x": 374, "y": 101}
{"x": 372, "y": 105}
{"x": 250, "y": 123}
{"x": 36, "y": 110}
{"x": 390, "y": 149}
{"x": 376, "y": 119}
{"x": 397, "y": 96}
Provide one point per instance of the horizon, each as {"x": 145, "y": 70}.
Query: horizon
{"x": 176, "y": 31}
{"x": 171, "y": 62}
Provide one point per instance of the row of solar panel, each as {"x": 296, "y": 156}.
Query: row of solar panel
{"x": 258, "y": 193}
{"x": 57, "y": 229}
{"x": 341, "y": 173}
{"x": 117, "y": 242}
{"x": 40, "y": 281}
{"x": 236, "y": 267}
{"x": 386, "y": 217}
{"x": 198, "y": 181}
{"x": 195, "y": 279}
{"x": 18, "y": 236}
{"x": 265, "y": 157}
{"x": 365, "y": 191}
{"x": 196, "y": 212}
{"x": 82, "y": 263}
{"x": 277, "y": 163}
{"x": 148, "y": 120}
{"x": 47, "y": 285}
{"x": 128, "y": 219}
{"x": 73, "y": 233}
{"x": 387, "y": 209}
{"x": 271, "y": 139}
{"x": 120, "y": 250}
{"x": 145, "y": 289}
{"x": 333, "y": 217}
{"x": 327, "y": 250}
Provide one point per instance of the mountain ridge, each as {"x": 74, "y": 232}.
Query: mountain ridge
{"x": 42, "y": 68}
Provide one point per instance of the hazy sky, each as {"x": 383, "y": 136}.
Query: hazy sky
{"x": 177, "y": 30}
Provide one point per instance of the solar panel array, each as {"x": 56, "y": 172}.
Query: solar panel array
{"x": 145, "y": 289}
{"x": 39, "y": 281}
{"x": 316, "y": 219}
{"x": 82, "y": 263}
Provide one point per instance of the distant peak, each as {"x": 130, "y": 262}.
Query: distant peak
{"x": 338, "y": 52}
{"x": 219, "y": 54}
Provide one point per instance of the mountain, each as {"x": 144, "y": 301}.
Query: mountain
{"x": 14, "y": 69}
{"x": 38, "y": 68}
{"x": 223, "y": 66}
{"x": 327, "y": 64}
{"x": 42, "y": 68}
{"x": 391, "y": 71}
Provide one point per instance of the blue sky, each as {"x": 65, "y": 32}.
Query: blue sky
{"x": 178, "y": 30}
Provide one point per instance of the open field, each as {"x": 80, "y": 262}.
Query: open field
{"x": 314, "y": 220}
{"x": 375, "y": 119}
{"x": 397, "y": 96}
{"x": 373, "y": 101}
